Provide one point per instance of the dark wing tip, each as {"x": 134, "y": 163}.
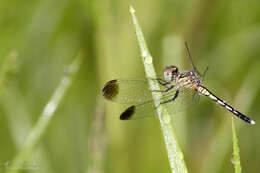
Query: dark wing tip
{"x": 128, "y": 113}
{"x": 110, "y": 89}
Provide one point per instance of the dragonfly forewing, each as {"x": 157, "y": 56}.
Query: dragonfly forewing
{"x": 127, "y": 91}
{"x": 136, "y": 95}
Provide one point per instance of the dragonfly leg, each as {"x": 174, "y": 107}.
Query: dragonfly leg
{"x": 196, "y": 97}
{"x": 205, "y": 71}
{"x": 162, "y": 82}
{"x": 172, "y": 99}
{"x": 163, "y": 91}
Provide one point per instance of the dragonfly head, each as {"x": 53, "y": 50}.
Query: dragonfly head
{"x": 170, "y": 72}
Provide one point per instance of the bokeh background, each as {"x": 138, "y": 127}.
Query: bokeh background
{"x": 38, "y": 39}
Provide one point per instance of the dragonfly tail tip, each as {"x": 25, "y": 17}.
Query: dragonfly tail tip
{"x": 252, "y": 122}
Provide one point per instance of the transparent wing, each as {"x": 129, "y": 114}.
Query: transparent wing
{"x": 131, "y": 91}
{"x": 191, "y": 61}
{"x": 127, "y": 91}
{"x": 136, "y": 95}
{"x": 194, "y": 69}
{"x": 148, "y": 109}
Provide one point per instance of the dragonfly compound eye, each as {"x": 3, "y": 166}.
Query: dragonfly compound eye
{"x": 174, "y": 70}
{"x": 170, "y": 72}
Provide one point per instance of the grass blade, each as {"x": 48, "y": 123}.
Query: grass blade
{"x": 46, "y": 116}
{"x": 236, "y": 157}
{"x": 174, "y": 152}
{"x": 97, "y": 139}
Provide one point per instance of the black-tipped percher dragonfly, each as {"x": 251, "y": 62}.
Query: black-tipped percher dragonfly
{"x": 138, "y": 96}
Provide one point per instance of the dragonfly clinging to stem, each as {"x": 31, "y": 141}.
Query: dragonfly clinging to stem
{"x": 138, "y": 96}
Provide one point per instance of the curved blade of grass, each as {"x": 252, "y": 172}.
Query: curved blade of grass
{"x": 174, "y": 152}
{"x": 236, "y": 157}
{"x": 46, "y": 116}
{"x": 97, "y": 139}
{"x": 9, "y": 96}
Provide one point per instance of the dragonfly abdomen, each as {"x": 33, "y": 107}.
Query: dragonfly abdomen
{"x": 204, "y": 91}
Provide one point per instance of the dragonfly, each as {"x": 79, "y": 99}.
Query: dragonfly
{"x": 136, "y": 94}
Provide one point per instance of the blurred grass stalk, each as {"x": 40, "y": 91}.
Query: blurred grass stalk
{"x": 175, "y": 154}
{"x": 97, "y": 139}
{"x": 236, "y": 158}
{"x": 9, "y": 68}
{"x": 46, "y": 115}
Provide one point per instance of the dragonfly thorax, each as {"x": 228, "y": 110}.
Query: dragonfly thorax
{"x": 170, "y": 73}
{"x": 188, "y": 79}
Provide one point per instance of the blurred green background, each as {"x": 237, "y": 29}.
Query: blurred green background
{"x": 85, "y": 134}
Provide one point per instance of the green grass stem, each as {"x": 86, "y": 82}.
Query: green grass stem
{"x": 236, "y": 157}
{"x": 175, "y": 154}
{"x": 45, "y": 117}
{"x": 97, "y": 139}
